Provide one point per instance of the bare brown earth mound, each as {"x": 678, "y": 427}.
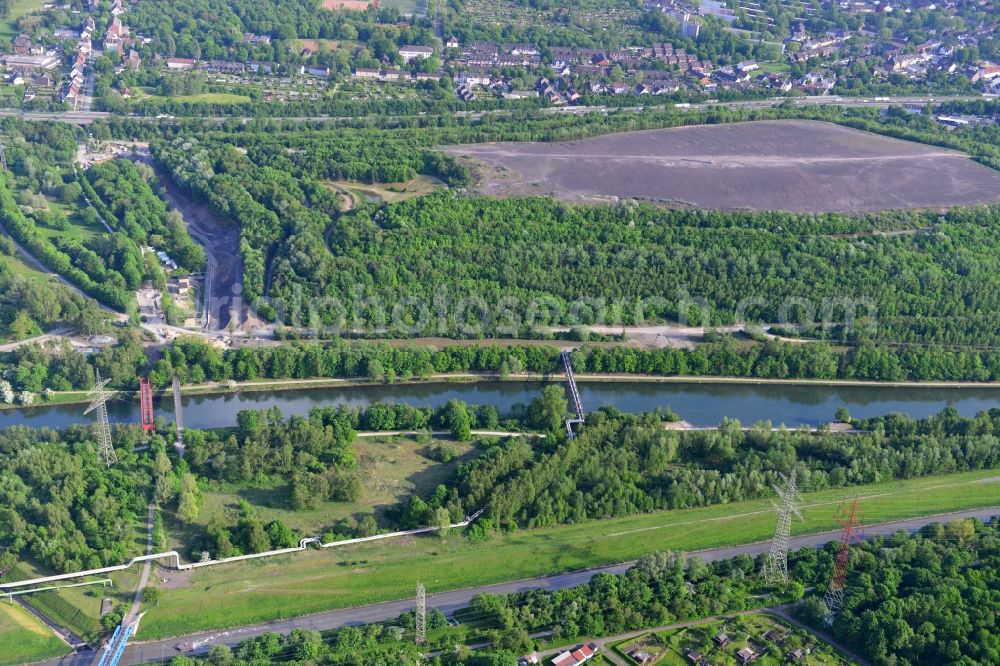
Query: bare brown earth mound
{"x": 794, "y": 165}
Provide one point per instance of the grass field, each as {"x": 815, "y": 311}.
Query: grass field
{"x": 24, "y": 639}
{"x": 19, "y": 267}
{"x": 79, "y": 608}
{"x": 205, "y": 98}
{"x": 8, "y": 26}
{"x": 391, "y": 469}
{"x": 406, "y": 6}
{"x": 315, "y": 581}
{"x": 76, "y": 230}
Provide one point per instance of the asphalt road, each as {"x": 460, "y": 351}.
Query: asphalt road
{"x": 449, "y": 602}
{"x": 87, "y": 117}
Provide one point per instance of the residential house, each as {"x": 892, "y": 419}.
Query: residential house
{"x": 452, "y": 43}
{"x": 721, "y": 639}
{"x": 465, "y": 93}
{"x": 132, "y": 61}
{"x": 899, "y": 62}
{"x": 23, "y": 45}
{"x": 321, "y": 72}
{"x": 256, "y": 40}
{"x": 223, "y": 67}
{"x": 986, "y": 72}
{"x": 181, "y": 64}
{"x": 690, "y": 29}
{"x": 367, "y": 73}
{"x": 521, "y": 49}
{"x": 746, "y": 655}
{"x": 42, "y": 81}
{"x": 474, "y": 76}
{"x": 413, "y": 52}
{"x": 580, "y": 655}
{"x": 116, "y": 36}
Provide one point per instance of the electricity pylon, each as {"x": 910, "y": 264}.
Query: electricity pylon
{"x": 834, "y": 598}
{"x": 421, "y": 622}
{"x": 105, "y": 449}
{"x": 178, "y": 414}
{"x": 776, "y": 564}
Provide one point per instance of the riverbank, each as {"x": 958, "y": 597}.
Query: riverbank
{"x": 278, "y": 385}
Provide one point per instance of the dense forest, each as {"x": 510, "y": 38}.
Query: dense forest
{"x": 499, "y": 262}
{"x": 130, "y": 197}
{"x": 40, "y": 159}
{"x": 929, "y": 598}
{"x": 60, "y": 507}
{"x": 620, "y": 464}
{"x": 28, "y": 307}
{"x": 271, "y": 184}
{"x": 205, "y": 30}
{"x": 87, "y": 226}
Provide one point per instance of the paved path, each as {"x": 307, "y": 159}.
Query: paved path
{"x": 449, "y": 602}
{"x": 144, "y": 578}
{"x": 55, "y": 334}
{"x": 66, "y": 635}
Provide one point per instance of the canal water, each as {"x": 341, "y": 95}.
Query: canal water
{"x": 700, "y": 404}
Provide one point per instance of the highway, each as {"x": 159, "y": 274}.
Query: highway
{"x": 87, "y": 117}
{"x": 449, "y": 602}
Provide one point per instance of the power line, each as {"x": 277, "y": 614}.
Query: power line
{"x": 835, "y": 595}
{"x": 178, "y": 416}
{"x": 105, "y": 447}
{"x": 776, "y": 562}
{"x": 421, "y": 619}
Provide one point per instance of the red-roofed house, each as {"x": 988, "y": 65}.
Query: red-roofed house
{"x": 578, "y": 656}
{"x": 986, "y": 73}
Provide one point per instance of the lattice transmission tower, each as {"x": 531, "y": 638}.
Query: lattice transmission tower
{"x": 776, "y": 563}
{"x": 421, "y": 636}
{"x": 178, "y": 413}
{"x": 105, "y": 448}
{"x": 848, "y": 518}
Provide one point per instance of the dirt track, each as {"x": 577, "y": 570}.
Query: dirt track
{"x": 794, "y": 165}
